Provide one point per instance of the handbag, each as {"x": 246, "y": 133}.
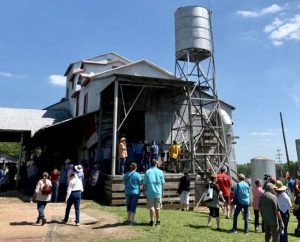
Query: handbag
{"x": 208, "y": 194}
{"x": 296, "y": 212}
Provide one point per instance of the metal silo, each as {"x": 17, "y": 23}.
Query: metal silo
{"x": 192, "y": 33}
{"x": 260, "y": 166}
{"x": 298, "y": 149}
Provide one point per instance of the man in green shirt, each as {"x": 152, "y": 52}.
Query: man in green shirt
{"x": 269, "y": 209}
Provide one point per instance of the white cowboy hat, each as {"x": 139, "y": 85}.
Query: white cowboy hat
{"x": 78, "y": 168}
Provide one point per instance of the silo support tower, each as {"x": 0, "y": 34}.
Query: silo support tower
{"x": 198, "y": 123}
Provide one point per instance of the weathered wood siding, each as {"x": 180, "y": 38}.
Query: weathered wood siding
{"x": 115, "y": 196}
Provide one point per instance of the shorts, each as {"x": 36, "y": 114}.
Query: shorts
{"x": 154, "y": 203}
{"x": 185, "y": 198}
{"x": 214, "y": 212}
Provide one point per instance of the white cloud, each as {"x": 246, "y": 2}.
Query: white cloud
{"x": 275, "y": 24}
{"x": 277, "y": 43}
{"x": 247, "y": 14}
{"x": 263, "y": 133}
{"x": 272, "y": 9}
{"x": 57, "y": 80}
{"x": 282, "y": 30}
{"x": 11, "y": 75}
{"x": 6, "y": 74}
{"x": 254, "y": 14}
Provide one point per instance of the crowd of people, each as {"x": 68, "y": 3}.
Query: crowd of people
{"x": 173, "y": 157}
{"x": 70, "y": 182}
{"x": 274, "y": 201}
{"x": 8, "y": 172}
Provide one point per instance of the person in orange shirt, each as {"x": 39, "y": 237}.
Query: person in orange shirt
{"x": 122, "y": 155}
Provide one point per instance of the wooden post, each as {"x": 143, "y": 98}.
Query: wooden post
{"x": 114, "y": 134}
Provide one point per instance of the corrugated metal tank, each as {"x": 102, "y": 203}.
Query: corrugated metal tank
{"x": 260, "y": 166}
{"x": 298, "y": 149}
{"x": 192, "y": 33}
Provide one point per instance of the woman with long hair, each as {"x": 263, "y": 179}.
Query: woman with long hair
{"x": 42, "y": 194}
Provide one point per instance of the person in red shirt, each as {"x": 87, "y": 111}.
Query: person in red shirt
{"x": 54, "y": 176}
{"x": 224, "y": 182}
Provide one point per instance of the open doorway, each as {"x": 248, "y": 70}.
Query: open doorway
{"x": 134, "y": 127}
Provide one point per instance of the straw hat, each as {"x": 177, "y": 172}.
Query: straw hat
{"x": 279, "y": 186}
{"x": 67, "y": 161}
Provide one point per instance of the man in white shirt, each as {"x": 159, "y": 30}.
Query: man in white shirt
{"x": 74, "y": 191}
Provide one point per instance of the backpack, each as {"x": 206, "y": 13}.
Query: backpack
{"x": 47, "y": 189}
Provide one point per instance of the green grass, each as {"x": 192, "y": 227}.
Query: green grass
{"x": 189, "y": 226}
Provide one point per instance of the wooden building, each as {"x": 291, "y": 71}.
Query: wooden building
{"x": 108, "y": 97}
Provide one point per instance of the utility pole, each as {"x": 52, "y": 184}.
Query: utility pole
{"x": 278, "y": 156}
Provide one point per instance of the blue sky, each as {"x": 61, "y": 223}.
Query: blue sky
{"x": 256, "y": 42}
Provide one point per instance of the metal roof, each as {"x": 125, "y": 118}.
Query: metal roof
{"x": 13, "y": 120}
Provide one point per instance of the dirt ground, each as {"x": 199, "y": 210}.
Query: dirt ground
{"x": 18, "y": 218}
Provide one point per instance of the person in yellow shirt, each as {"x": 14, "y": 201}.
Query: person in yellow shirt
{"x": 174, "y": 153}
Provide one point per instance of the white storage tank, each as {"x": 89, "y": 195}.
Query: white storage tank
{"x": 260, "y": 166}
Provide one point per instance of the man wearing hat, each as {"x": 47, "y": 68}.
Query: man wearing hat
{"x": 269, "y": 209}
{"x": 224, "y": 182}
{"x": 122, "y": 155}
{"x": 284, "y": 204}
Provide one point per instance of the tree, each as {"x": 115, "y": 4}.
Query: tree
{"x": 12, "y": 149}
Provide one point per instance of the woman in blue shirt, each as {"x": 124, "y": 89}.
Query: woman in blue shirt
{"x": 132, "y": 181}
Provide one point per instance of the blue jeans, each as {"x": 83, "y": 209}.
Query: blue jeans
{"x": 238, "y": 208}
{"x": 131, "y": 202}
{"x": 73, "y": 199}
{"x": 285, "y": 218}
{"x": 146, "y": 161}
{"x": 41, "y": 209}
{"x": 121, "y": 169}
{"x": 54, "y": 196}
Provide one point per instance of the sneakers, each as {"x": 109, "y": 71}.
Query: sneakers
{"x": 233, "y": 231}
{"x": 157, "y": 223}
{"x": 126, "y": 222}
{"x": 77, "y": 224}
{"x": 151, "y": 223}
{"x": 256, "y": 229}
